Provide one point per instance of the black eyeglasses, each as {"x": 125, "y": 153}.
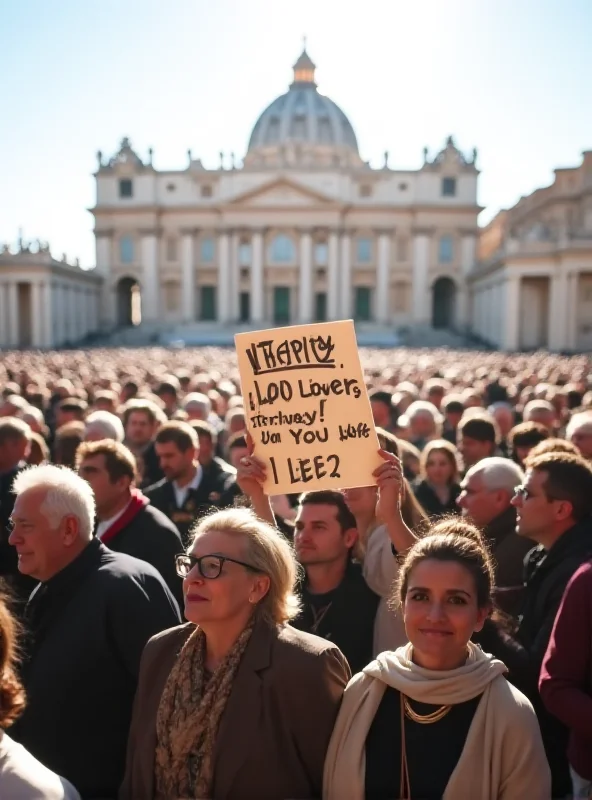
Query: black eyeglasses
{"x": 210, "y": 567}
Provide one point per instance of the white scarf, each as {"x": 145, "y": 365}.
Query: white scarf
{"x": 503, "y": 757}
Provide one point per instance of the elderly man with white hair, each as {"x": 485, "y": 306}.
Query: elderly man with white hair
{"x": 541, "y": 411}
{"x": 485, "y": 499}
{"x": 425, "y": 423}
{"x": 89, "y": 618}
{"x": 103, "y": 425}
{"x": 579, "y": 431}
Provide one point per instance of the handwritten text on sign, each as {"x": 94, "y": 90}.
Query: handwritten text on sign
{"x": 307, "y": 407}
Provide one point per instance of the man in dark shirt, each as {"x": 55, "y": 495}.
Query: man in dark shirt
{"x": 15, "y": 436}
{"x": 336, "y": 601}
{"x": 126, "y": 521}
{"x": 485, "y": 500}
{"x": 187, "y": 491}
{"x": 89, "y": 620}
{"x": 554, "y": 509}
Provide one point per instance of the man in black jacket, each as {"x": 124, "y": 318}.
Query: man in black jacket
{"x": 126, "y": 522}
{"x": 15, "y": 436}
{"x": 89, "y": 620}
{"x": 336, "y": 601}
{"x": 554, "y": 508}
{"x": 187, "y": 491}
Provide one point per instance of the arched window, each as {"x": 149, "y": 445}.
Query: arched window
{"x": 126, "y": 250}
{"x": 445, "y": 250}
{"x": 282, "y": 250}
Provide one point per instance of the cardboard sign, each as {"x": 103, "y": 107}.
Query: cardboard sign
{"x": 307, "y": 407}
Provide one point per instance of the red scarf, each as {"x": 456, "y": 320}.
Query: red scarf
{"x": 136, "y": 504}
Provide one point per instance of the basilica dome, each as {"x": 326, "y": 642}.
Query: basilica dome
{"x": 303, "y": 124}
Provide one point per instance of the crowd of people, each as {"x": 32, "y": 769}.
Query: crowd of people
{"x": 167, "y": 630}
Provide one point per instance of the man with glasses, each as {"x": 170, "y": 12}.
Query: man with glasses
{"x": 554, "y": 508}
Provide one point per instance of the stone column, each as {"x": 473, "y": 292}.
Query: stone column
{"x": 305, "y": 306}
{"x": 511, "y": 330}
{"x": 558, "y": 310}
{"x": 47, "y": 314}
{"x": 13, "y": 314}
{"x": 151, "y": 284}
{"x": 468, "y": 245}
{"x": 333, "y": 277}
{"x": 234, "y": 287}
{"x": 257, "y": 299}
{"x": 188, "y": 274}
{"x": 36, "y": 315}
{"x": 420, "y": 289}
{"x": 383, "y": 288}
{"x": 107, "y": 311}
{"x": 345, "y": 278}
{"x": 571, "y": 311}
{"x": 223, "y": 277}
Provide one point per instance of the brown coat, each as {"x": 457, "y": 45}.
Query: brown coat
{"x": 276, "y": 727}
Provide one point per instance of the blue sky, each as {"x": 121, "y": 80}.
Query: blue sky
{"x": 511, "y": 77}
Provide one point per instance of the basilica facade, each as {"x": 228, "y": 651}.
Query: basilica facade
{"x": 532, "y": 284}
{"x": 303, "y": 229}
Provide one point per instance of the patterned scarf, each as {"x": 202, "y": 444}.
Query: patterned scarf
{"x": 188, "y": 718}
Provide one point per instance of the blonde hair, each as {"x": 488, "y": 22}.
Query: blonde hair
{"x": 267, "y": 551}
{"x": 440, "y": 446}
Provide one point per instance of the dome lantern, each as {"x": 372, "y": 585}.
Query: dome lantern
{"x": 304, "y": 68}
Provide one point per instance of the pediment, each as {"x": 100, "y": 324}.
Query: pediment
{"x": 281, "y": 193}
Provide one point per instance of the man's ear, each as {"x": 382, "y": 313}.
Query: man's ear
{"x": 563, "y": 510}
{"x": 350, "y": 537}
{"x": 71, "y": 529}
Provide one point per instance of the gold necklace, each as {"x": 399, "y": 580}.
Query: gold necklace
{"x": 427, "y": 719}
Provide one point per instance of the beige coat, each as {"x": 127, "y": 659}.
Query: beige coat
{"x": 503, "y": 757}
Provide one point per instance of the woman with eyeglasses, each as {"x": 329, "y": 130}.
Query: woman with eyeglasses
{"x": 236, "y": 703}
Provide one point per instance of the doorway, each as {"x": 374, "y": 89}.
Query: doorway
{"x": 443, "y": 303}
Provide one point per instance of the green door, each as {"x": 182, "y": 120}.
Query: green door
{"x": 208, "y": 303}
{"x": 245, "y": 306}
{"x": 321, "y": 306}
{"x": 362, "y": 307}
{"x": 281, "y": 305}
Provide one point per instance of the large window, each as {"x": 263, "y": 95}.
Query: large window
{"x": 445, "y": 250}
{"x": 126, "y": 187}
{"x": 208, "y": 303}
{"x": 448, "y": 187}
{"x": 282, "y": 250}
{"x": 207, "y": 251}
{"x": 363, "y": 304}
{"x": 321, "y": 254}
{"x": 364, "y": 251}
{"x": 244, "y": 254}
{"x": 126, "y": 250}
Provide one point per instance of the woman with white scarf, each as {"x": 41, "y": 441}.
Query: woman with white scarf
{"x": 437, "y": 718}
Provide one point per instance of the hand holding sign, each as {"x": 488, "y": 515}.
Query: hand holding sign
{"x": 307, "y": 407}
